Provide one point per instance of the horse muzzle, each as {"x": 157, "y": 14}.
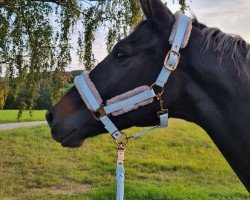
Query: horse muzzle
{"x": 64, "y": 133}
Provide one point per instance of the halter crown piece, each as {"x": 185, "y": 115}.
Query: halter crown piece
{"x": 136, "y": 98}
{"x": 140, "y": 96}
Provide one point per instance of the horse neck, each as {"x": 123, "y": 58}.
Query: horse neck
{"x": 220, "y": 105}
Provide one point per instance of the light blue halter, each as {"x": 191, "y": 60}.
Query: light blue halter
{"x": 170, "y": 65}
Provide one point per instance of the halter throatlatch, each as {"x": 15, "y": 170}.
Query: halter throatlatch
{"x": 136, "y": 98}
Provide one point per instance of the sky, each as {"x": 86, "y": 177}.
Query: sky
{"x": 231, "y": 16}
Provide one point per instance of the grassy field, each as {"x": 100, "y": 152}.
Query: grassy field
{"x": 180, "y": 163}
{"x": 8, "y": 116}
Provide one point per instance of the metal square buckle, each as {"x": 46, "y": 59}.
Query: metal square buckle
{"x": 172, "y": 67}
{"x": 99, "y": 113}
{"x": 117, "y": 135}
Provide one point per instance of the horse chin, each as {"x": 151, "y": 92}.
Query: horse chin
{"x": 72, "y": 144}
{"x": 72, "y": 140}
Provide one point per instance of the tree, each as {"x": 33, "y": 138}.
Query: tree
{"x": 35, "y": 37}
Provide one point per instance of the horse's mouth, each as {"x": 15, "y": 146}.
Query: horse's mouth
{"x": 71, "y": 139}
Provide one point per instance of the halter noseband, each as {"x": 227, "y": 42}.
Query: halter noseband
{"x": 141, "y": 96}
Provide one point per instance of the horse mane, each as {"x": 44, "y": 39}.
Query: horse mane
{"x": 222, "y": 43}
{"x": 233, "y": 45}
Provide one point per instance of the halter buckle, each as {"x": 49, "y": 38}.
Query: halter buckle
{"x": 172, "y": 67}
{"x": 100, "y": 112}
{"x": 117, "y": 135}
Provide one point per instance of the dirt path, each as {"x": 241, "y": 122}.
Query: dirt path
{"x": 20, "y": 125}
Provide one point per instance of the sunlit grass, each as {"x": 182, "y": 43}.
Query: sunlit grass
{"x": 9, "y": 116}
{"x": 178, "y": 163}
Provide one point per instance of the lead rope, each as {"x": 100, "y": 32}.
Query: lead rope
{"x": 120, "y": 171}
{"x": 120, "y": 182}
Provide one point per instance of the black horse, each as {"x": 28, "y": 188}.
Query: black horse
{"x": 211, "y": 86}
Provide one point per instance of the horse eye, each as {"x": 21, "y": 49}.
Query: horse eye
{"x": 121, "y": 56}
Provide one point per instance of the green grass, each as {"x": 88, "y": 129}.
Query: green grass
{"x": 180, "y": 163}
{"x": 8, "y": 116}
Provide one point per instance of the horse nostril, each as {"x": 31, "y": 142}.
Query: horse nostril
{"x": 49, "y": 117}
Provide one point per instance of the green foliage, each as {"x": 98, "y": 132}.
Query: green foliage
{"x": 75, "y": 73}
{"x": 183, "y": 5}
{"x": 44, "y": 99}
{"x": 45, "y": 96}
{"x": 4, "y": 91}
{"x": 31, "y": 46}
{"x": 36, "y": 38}
{"x": 180, "y": 163}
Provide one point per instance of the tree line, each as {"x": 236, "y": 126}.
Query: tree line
{"x": 44, "y": 100}
{"x": 35, "y": 39}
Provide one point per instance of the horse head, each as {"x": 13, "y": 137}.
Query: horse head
{"x": 134, "y": 61}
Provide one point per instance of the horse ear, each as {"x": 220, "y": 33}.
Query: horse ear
{"x": 157, "y": 11}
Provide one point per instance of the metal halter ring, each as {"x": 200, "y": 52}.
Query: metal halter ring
{"x": 162, "y": 89}
{"x": 122, "y": 143}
